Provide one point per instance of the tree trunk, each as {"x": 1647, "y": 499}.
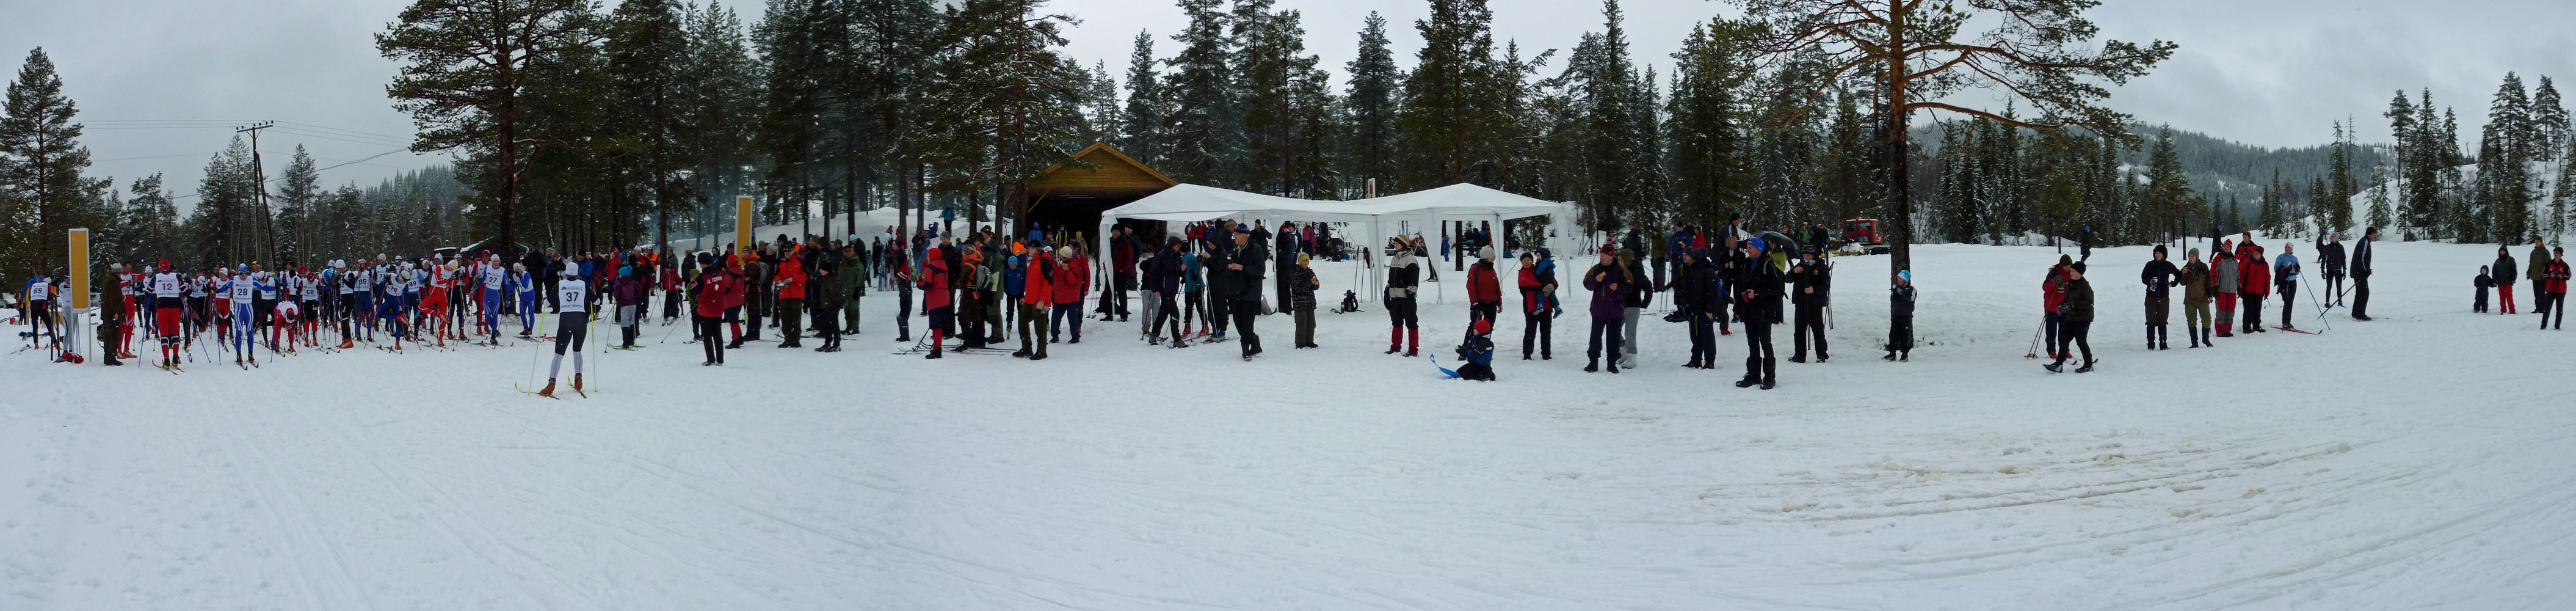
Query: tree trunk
{"x": 1900, "y": 241}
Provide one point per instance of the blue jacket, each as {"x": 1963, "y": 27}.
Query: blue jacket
{"x": 2285, "y": 269}
{"x": 1192, "y": 278}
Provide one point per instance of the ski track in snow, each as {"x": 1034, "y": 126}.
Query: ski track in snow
{"x": 2417, "y": 462}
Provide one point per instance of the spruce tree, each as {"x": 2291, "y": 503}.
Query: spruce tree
{"x": 2337, "y": 215}
{"x": 42, "y": 191}
{"x": 1199, "y": 148}
{"x": 297, "y": 194}
{"x": 1707, "y": 145}
{"x": 1141, "y": 134}
{"x": 2167, "y": 188}
{"x": 1369, "y": 144}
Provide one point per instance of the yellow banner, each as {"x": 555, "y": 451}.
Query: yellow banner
{"x": 742, "y": 224}
{"x": 79, "y": 269}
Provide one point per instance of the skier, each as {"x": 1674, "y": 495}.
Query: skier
{"x": 1403, "y": 283}
{"x": 525, "y": 285}
{"x": 244, "y": 291}
{"x": 494, "y": 283}
{"x": 1538, "y": 294}
{"x": 1607, "y": 281}
{"x": 822, "y": 294}
{"x": 2197, "y": 287}
{"x": 2504, "y": 281}
{"x": 2159, "y": 278}
{"x": 2078, "y": 308}
{"x": 2553, "y": 291}
{"x": 2255, "y": 282}
{"x": 2330, "y": 260}
{"x": 1813, "y": 284}
{"x": 2361, "y": 274}
{"x": 899, "y": 272}
{"x": 2285, "y": 275}
{"x": 168, "y": 288}
{"x": 1900, "y": 307}
{"x": 1757, "y": 296}
{"x": 572, "y": 326}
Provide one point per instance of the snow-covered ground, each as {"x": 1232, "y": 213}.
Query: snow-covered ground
{"x": 2420, "y": 461}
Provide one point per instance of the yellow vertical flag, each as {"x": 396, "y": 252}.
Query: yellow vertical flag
{"x": 79, "y": 270}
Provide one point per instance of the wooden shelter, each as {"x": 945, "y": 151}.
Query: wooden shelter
{"x": 1072, "y": 195}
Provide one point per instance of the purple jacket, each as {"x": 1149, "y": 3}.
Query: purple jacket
{"x": 1609, "y": 298}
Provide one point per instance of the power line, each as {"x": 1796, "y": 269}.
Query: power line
{"x": 155, "y": 157}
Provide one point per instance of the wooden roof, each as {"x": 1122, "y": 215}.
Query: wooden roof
{"x": 1110, "y": 174}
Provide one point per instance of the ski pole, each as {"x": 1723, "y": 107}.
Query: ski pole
{"x": 2035, "y": 335}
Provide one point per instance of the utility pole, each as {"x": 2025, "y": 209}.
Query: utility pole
{"x": 259, "y": 180}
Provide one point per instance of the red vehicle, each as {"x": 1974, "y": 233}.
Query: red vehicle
{"x": 1864, "y": 233}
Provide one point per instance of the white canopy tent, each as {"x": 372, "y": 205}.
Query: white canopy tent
{"x": 1460, "y": 202}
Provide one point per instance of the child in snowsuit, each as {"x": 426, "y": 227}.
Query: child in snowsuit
{"x": 1478, "y": 351}
{"x": 2481, "y": 282}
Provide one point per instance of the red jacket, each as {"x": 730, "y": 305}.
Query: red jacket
{"x": 1072, "y": 279}
{"x": 791, "y": 279}
{"x": 1034, "y": 279}
{"x": 2253, "y": 270}
{"x": 934, "y": 278}
{"x": 2050, "y": 293}
{"x": 1482, "y": 286}
{"x": 734, "y": 275}
{"x": 2554, "y": 277}
{"x": 670, "y": 279}
{"x": 713, "y": 288}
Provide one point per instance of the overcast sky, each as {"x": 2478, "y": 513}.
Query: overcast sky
{"x": 2266, "y": 72}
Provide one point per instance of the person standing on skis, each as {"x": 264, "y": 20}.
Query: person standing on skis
{"x": 2254, "y": 282}
{"x": 168, "y": 290}
{"x": 2361, "y": 274}
{"x": 1814, "y": 283}
{"x": 2330, "y": 260}
{"x": 2078, "y": 310}
{"x": 572, "y": 326}
{"x": 2285, "y": 278}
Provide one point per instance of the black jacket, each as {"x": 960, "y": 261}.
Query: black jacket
{"x": 2505, "y": 262}
{"x": 1810, "y": 274}
{"x": 2078, "y": 306}
{"x": 2159, "y": 277}
{"x": 1764, "y": 282}
{"x": 2361, "y": 259}
{"x": 1301, "y": 287}
{"x": 1700, "y": 288}
{"x": 1244, "y": 284}
{"x": 2329, "y": 256}
{"x": 1900, "y": 300}
{"x": 1163, "y": 272}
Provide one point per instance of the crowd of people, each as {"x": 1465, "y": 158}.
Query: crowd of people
{"x": 1201, "y": 283}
